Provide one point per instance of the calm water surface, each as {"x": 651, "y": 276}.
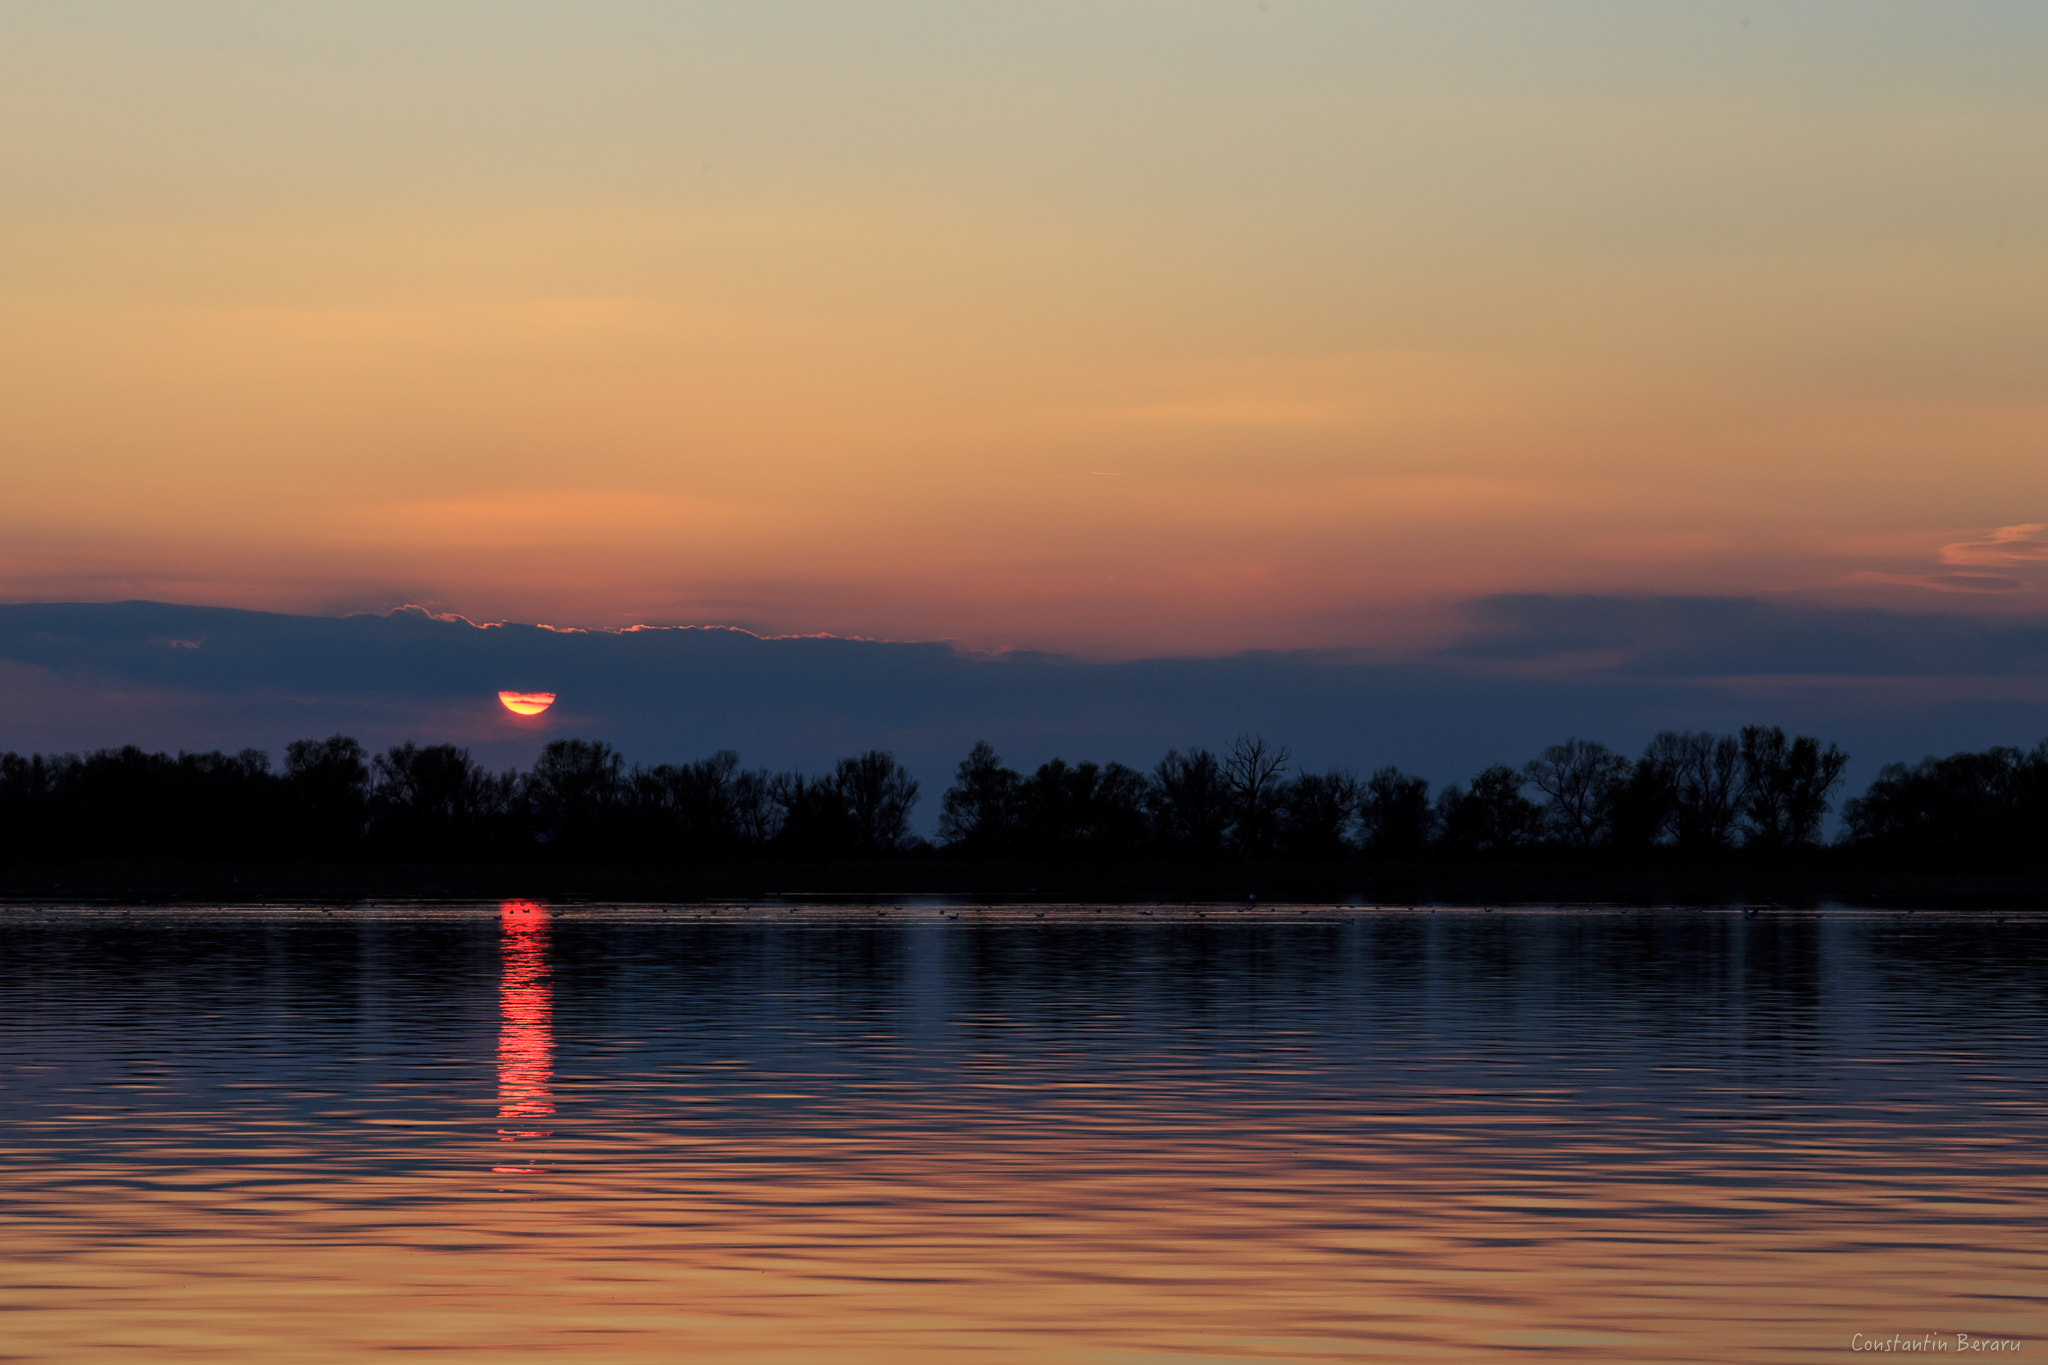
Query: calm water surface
{"x": 1065, "y": 1134}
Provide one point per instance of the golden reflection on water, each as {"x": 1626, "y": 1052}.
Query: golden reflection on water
{"x": 1489, "y": 1196}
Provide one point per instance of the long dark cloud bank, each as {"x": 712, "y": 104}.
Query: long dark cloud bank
{"x": 1528, "y": 670}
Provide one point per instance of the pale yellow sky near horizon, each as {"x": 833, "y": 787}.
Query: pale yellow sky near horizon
{"x": 1112, "y": 328}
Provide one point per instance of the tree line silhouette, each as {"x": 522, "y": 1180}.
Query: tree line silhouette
{"x": 1690, "y": 796}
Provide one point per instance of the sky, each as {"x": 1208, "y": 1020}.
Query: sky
{"x": 1115, "y": 330}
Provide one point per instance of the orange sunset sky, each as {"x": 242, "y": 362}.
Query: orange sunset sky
{"x": 1112, "y": 328}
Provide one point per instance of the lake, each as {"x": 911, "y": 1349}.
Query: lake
{"x": 937, "y": 1131}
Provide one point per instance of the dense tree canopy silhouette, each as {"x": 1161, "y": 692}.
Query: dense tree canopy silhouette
{"x": 435, "y": 800}
{"x": 1492, "y": 818}
{"x": 1761, "y": 794}
{"x": 1082, "y": 810}
{"x": 1395, "y": 818}
{"x": 1189, "y": 802}
{"x": 328, "y": 782}
{"x": 1316, "y": 811}
{"x": 1969, "y": 809}
{"x": 707, "y": 809}
{"x": 979, "y": 812}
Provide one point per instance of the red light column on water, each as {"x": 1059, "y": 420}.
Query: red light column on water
{"x": 526, "y": 1039}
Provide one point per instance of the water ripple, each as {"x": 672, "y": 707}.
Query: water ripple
{"x": 812, "y": 1132}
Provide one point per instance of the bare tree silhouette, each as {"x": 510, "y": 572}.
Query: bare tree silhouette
{"x": 1786, "y": 785}
{"x": 1253, "y": 773}
{"x": 435, "y": 798}
{"x": 878, "y": 793}
{"x": 576, "y": 789}
{"x": 1706, "y": 787}
{"x": 1579, "y": 780}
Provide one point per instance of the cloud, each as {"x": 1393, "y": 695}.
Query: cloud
{"x": 2006, "y": 546}
{"x": 1529, "y": 670}
{"x": 2006, "y": 560}
{"x": 1945, "y": 582}
{"x": 1979, "y": 582}
{"x": 1710, "y": 637}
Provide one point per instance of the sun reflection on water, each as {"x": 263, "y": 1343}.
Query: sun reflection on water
{"x": 526, "y": 1042}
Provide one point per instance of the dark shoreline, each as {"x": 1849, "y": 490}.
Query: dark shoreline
{"x": 1532, "y": 883}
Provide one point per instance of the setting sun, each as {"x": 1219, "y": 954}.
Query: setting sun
{"x": 527, "y": 703}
